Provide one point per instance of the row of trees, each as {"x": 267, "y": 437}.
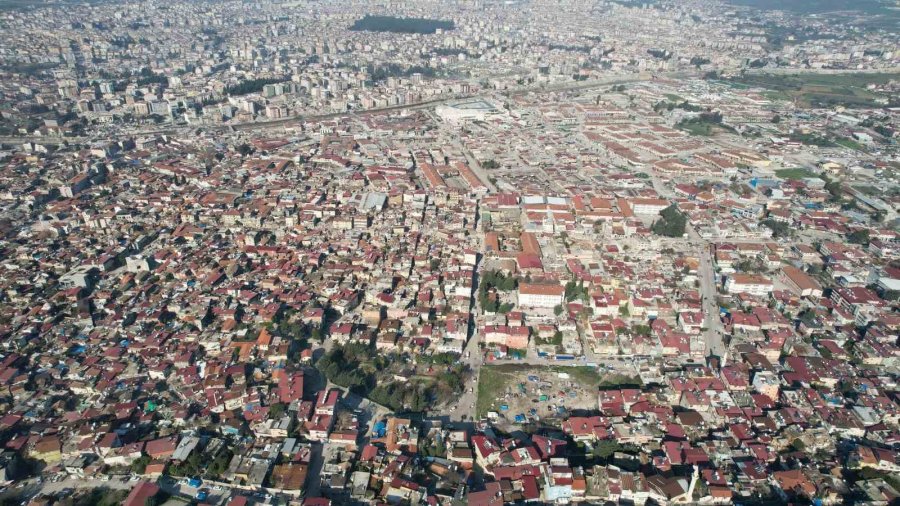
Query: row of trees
{"x": 252, "y": 85}
{"x": 698, "y": 61}
{"x": 382, "y": 72}
{"x": 665, "y": 105}
{"x": 400, "y": 25}
{"x": 661, "y": 54}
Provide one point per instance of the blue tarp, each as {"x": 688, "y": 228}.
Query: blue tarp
{"x": 379, "y": 429}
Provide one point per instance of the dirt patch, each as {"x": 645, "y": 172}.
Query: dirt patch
{"x": 519, "y": 394}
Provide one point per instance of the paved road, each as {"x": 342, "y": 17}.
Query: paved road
{"x": 706, "y": 272}
{"x": 282, "y": 122}
{"x": 464, "y": 407}
{"x": 473, "y": 163}
{"x": 568, "y": 86}
{"x": 595, "y": 83}
{"x": 31, "y": 487}
{"x": 50, "y": 141}
{"x": 708, "y": 288}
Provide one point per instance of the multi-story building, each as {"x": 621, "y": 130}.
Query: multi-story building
{"x": 645, "y": 206}
{"x": 800, "y": 282}
{"x": 748, "y": 283}
{"x": 534, "y": 295}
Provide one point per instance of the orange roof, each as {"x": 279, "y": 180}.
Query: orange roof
{"x": 530, "y": 288}
{"x": 265, "y": 338}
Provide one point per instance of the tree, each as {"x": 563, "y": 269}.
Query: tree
{"x": 778, "y": 228}
{"x": 276, "y": 410}
{"x": 575, "y": 291}
{"x": 393, "y": 24}
{"x": 699, "y": 61}
{"x": 891, "y": 295}
{"x": 834, "y": 188}
{"x": 252, "y": 85}
{"x": 606, "y": 448}
{"x": 101, "y": 496}
{"x": 219, "y": 464}
{"x": 342, "y": 364}
{"x": 140, "y": 464}
{"x": 245, "y": 149}
{"x": 860, "y": 236}
{"x": 671, "y": 224}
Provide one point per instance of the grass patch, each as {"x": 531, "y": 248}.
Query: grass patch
{"x": 702, "y": 128}
{"x": 494, "y": 380}
{"x": 705, "y": 125}
{"x": 868, "y": 190}
{"x": 776, "y": 96}
{"x": 795, "y": 173}
{"x": 849, "y": 144}
{"x": 555, "y": 340}
{"x": 614, "y": 381}
{"x": 731, "y": 84}
{"x": 698, "y": 129}
{"x": 582, "y": 374}
{"x": 821, "y": 90}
